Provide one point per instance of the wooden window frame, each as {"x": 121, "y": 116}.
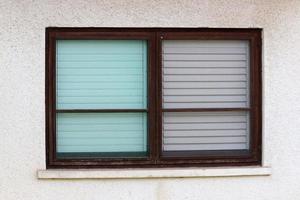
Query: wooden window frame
{"x": 156, "y": 157}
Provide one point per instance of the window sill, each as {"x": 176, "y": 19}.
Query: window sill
{"x": 153, "y": 173}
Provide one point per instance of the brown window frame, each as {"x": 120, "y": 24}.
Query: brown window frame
{"x": 156, "y": 157}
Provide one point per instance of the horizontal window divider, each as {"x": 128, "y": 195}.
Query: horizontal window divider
{"x": 99, "y": 110}
{"x": 202, "y": 53}
{"x": 78, "y": 155}
{"x": 203, "y": 109}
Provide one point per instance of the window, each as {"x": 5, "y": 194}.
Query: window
{"x": 152, "y": 97}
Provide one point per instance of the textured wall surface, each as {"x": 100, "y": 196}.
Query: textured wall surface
{"x": 22, "y": 78}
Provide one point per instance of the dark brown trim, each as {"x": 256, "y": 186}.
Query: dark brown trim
{"x": 204, "y": 109}
{"x": 215, "y": 153}
{"x": 159, "y": 96}
{"x": 85, "y": 155}
{"x": 152, "y": 92}
{"x": 115, "y": 35}
{"x": 256, "y": 95}
{"x": 50, "y": 98}
{"x": 142, "y": 163}
{"x": 47, "y": 99}
{"x": 100, "y": 110}
{"x": 156, "y": 157}
{"x": 153, "y": 29}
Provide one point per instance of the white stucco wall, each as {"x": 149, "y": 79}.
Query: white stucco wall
{"x": 22, "y": 80}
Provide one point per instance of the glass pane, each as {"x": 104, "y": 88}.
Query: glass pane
{"x": 101, "y": 134}
{"x": 101, "y": 74}
{"x": 205, "y": 74}
{"x": 195, "y": 131}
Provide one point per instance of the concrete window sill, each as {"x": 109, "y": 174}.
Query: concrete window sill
{"x": 153, "y": 173}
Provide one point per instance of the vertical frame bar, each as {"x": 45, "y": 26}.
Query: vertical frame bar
{"x": 256, "y": 96}
{"x": 159, "y": 138}
{"x": 152, "y": 93}
{"x": 50, "y": 97}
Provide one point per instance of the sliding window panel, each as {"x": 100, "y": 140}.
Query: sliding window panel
{"x": 101, "y": 74}
{"x": 205, "y": 74}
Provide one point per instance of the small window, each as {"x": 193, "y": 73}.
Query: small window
{"x": 153, "y": 97}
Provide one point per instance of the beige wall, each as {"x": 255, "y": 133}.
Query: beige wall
{"x": 22, "y": 78}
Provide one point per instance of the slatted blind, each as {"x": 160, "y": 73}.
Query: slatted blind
{"x": 205, "y": 74}
{"x": 205, "y": 131}
{"x": 101, "y": 74}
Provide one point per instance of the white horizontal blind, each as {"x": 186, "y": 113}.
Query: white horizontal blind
{"x": 188, "y": 131}
{"x": 205, "y": 74}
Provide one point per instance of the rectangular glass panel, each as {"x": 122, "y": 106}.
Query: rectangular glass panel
{"x": 101, "y": 74}
{"x": 192, "y": 131}
{"x": 205, "y": 73}
{"x": 104, "y": 134}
